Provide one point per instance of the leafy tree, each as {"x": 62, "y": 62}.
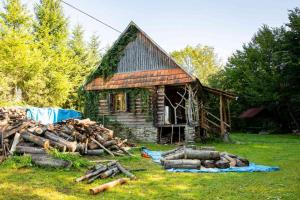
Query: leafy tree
{"x": 19, "y": 60}
{"x": 200, "y": 60}
{"x": 290, "y": 54}
{"x": 266, "y": 73}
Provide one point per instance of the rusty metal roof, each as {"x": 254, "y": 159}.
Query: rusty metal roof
{"x": 141, "y": 79}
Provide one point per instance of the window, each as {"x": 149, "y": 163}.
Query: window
{"x": 118, "y": 102}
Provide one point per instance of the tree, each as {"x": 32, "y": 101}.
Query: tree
{"x": 290, "y": 54}
{"x": 51, "y": 33}
{"x": 94, "y": 52}
{"x": 266, "y": 73}
{"x": 199, "y": 60}
{"x": 20, "y": 61}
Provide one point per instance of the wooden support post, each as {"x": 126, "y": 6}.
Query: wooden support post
{"x": 221, "y": 116}
{"x": 172, "y": 134}
{"x": 228, "y": 109}
{"x": 179, "y": 134}
{"x": 160, "y": 134}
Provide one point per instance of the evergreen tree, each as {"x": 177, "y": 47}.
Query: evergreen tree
{"x": 51, "y": 32}
{"x": 94, "y": 53}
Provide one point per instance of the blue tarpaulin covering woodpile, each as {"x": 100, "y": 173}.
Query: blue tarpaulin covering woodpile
{"x": 156, "y": 157}
{"x": 51, "y": 115}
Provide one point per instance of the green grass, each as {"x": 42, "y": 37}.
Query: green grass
{"x": 155, "y": 183}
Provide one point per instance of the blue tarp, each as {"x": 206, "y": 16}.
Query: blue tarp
{"x": 51, "y": 115}
{"x": 156, "y": 156}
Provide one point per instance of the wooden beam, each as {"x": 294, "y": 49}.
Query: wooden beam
{"x": 221, "y": 116}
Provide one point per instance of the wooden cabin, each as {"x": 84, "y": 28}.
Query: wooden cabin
{"x": 152, "y": 95}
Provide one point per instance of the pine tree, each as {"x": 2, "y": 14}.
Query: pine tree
{"x": 51, "y": 33}
{"x": 94, "y": 52}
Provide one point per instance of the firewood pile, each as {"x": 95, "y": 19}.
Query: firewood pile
{"x": 21, "y": 135}
{"x": 205, "y": 157}
{"x": 102, "y": 171}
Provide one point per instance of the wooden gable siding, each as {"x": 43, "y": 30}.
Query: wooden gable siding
{"x": 141, "y": 55}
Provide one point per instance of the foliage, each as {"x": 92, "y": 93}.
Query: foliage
{"x": 266, "y": 73}
{"x": 200, "y": 60}
{"x": 77, "y": 160}
{"x": 110, "y": 60}
{"x": 16, "y": 162}
{"x": 19, "y": 60}
{"x": 157, "y": 183}
{"x": 40, "y": 64}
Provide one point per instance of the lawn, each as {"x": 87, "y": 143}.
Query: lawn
{"x": 156, "y": 183}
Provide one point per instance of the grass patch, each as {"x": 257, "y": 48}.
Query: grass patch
{"x": 156, "y": 183}
{"x": 77, "y": 160}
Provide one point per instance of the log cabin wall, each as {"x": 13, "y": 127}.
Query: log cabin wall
{"x": 140, "y": 123}
{"x": 160, "y": 105}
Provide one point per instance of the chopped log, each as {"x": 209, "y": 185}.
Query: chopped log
{"x": 65, "y": 136}
{"x": 92, "y": 179}
{"x": 240, "y": 163}
{"x": 100, "y": 145}
{"x": 101, "y": 169}
{"x": 15, "y": 142}
{"x": 30, "y": 150}
{"x": 125, "y": 151}
{"x": 183, "y": 163}
{"x": 125, "y": 171}
{"x": 232, "y": 161}
{"x": 122, "y": 142}
{"x": 109, "y": 172}
{"x": 222, "y": 164}
{"x": 201, "y": 155}
{"x": 109, "y": 143}
{"x": 70, "y": 145}
{"x": 171, "y": 151}
{"x": 36, "y": 139}
{"x": 95, "y": 152}
{"x": 92, "y": 145}
{"x": 14, "y": 130}
{"x": 208, "y": 163}
{"x": 45, "y": 160}
{"x": 57, "y": 145}
{"x": 114, "y": 147}
{"x": 109, "y": 185}
{"x": 244, "y": 160}
{"x": 175, "y": 156}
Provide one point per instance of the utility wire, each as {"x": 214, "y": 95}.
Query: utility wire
{"x": 98, "y": 20}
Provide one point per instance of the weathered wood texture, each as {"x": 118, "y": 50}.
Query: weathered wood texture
{"x": 141, "y": 54}
{"x": 160, "y": 105}
{"x": 109, "y": 185}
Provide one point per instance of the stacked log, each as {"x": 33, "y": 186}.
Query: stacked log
{"x": 205, "y": 157}
{"x": 21, "y": 135}
{"x": 104, "y": 171}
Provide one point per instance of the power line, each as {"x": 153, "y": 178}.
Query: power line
{"x": 98, "y": 20}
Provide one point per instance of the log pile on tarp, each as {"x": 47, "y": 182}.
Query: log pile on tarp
{"x": 103, "y": 171}
{"x": 21, "y": 135}
{"x": 207, "y": 157}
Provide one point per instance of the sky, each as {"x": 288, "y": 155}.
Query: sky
{"x": 222, "y": 24}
